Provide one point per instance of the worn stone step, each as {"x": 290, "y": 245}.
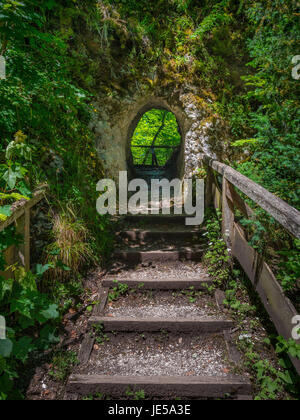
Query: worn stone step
{"x": 160, "y": 283}
{"x": 188, "y": 304}
{"x": 129, "y": 324}
{"x": 157, "y": 218}
{"x": 136, "y": 256}
{"x": 144, "y": 235}
{"x": 160, "y": 386}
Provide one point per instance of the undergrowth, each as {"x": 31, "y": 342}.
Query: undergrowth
{"x": 272, "y": 380}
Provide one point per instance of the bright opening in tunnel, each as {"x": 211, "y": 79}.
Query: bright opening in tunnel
{"x": 155, "y": 145}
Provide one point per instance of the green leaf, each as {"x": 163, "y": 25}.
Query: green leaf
{"x": 286, "y": 377}
{"x": 11, "y": 178}
{"x": 42, "y": 269}
{"x": 6, "y": 210}
{"x": 51, "y": 312}
{"x": 61, "y": 265}
{"x": 22, "y": 348}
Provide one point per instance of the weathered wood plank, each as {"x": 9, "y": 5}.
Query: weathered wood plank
{"x": 132, "y": 257}
{"x": 102, "y": 297}
{"x": 285, "y": 214}
{"x": 20, "y": 250}
{"x": 89, "y": 339}
{"x": 163, "y": 386}
{"x": 220, "y": 297}
{"x": 217, "y": 198}
{"x": 227, "y": 215}
{"x": 233, "y": 353}
{"x": 27, "y": 239}
{"x": 238, "y": 202}
{"x": 86, "y": 348}
{"x": 19, "y": 212}
{"x": 165, "y": 284}
{"x": 194, "y": 324}
{"x": 278, "y": 306}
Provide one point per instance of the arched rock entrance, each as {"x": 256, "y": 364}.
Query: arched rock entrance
{"x": 115, "y": 121}
{"x": 171, "y": 168}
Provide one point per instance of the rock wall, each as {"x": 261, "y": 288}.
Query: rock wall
{"x": 116, "y": 119}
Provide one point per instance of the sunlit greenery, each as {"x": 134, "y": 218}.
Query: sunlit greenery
{"x": 62, "y": 56}
{"x": 156, "y": 128}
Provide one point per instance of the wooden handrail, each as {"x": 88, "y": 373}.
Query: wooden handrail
{"x": 278, "y": 306}
{"x": 285, "y": 214}
{"x": 21, "y": 218}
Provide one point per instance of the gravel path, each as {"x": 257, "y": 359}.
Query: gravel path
{"x": 172, "y": 355}
{"x": 176, "y": 269}
{"x": 164, "y": 304}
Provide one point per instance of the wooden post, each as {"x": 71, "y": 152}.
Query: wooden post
{"x": 27, "y": 239}
{"x": 216, "y": 197}
{"x": 209, "y": 188}
{"x": 20, "y": 250}
{"x": 227, "y": 215}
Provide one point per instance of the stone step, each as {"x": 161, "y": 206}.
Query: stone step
{"x": 144, "y": 235}
{"x": 187, "y": 304}
{"x": 179, "y": 325}
{"x": 157, "y": 218}
{"x": 137, "y": 256}
{"x": 160, "y": 283}
{"x": 160, "y": 386}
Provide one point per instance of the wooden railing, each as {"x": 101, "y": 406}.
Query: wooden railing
{"x": 151, "y": 149}
{"x": 278, "y": 306}
{"x": 21, "y": 219}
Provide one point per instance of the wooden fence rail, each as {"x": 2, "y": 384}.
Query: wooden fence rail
{"x": 21, "y": 219}
{"x": 278, "y": 306}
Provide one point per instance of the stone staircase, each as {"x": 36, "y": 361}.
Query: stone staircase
{"x": 166, "y": 336}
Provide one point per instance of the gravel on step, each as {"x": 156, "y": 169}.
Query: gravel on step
{"x": 164, "y": 304}
{"x": 159, "y": 354}
{"x": 175, "y": 269}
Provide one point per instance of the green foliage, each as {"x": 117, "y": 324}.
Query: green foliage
{"x": 289, "y": 272}
{"x": 118, "y": 291}
{"x": 100, "y": 336}
{"x": 43, "y": 110}
{"x": 25, "y": 310}
{"x": 216, "y": 257}
{"x": 191, "y": 293}
{"x": 271, "y": 104}
{"x": 59, "y": 54}
{"x": 160, "y": 126}
{"x": 62, "y": 364}
{"x": 270, "y": 381}
{"x": 135, "y": 395}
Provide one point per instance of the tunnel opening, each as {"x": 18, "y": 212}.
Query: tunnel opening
{"x": 155, "y": 146}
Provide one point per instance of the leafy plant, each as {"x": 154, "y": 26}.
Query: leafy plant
{"x": 62, "y": 364}
{"x": 71, "y": 247}
{"x": 216, "y": 257}
{"x": 100, "y": 336}
{"x": 271, "y": 381}
{"x": 118, "y": 291}
{"x": 135, "y": 395}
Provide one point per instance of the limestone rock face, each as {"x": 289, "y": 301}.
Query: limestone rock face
{"x": 202, "y": 131}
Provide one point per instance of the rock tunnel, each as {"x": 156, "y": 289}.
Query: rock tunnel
{"x": 115, "y": 123}
{"x": 155, "y": 145}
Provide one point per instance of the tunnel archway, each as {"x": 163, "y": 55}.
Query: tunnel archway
{"x": 155, "y": 146}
